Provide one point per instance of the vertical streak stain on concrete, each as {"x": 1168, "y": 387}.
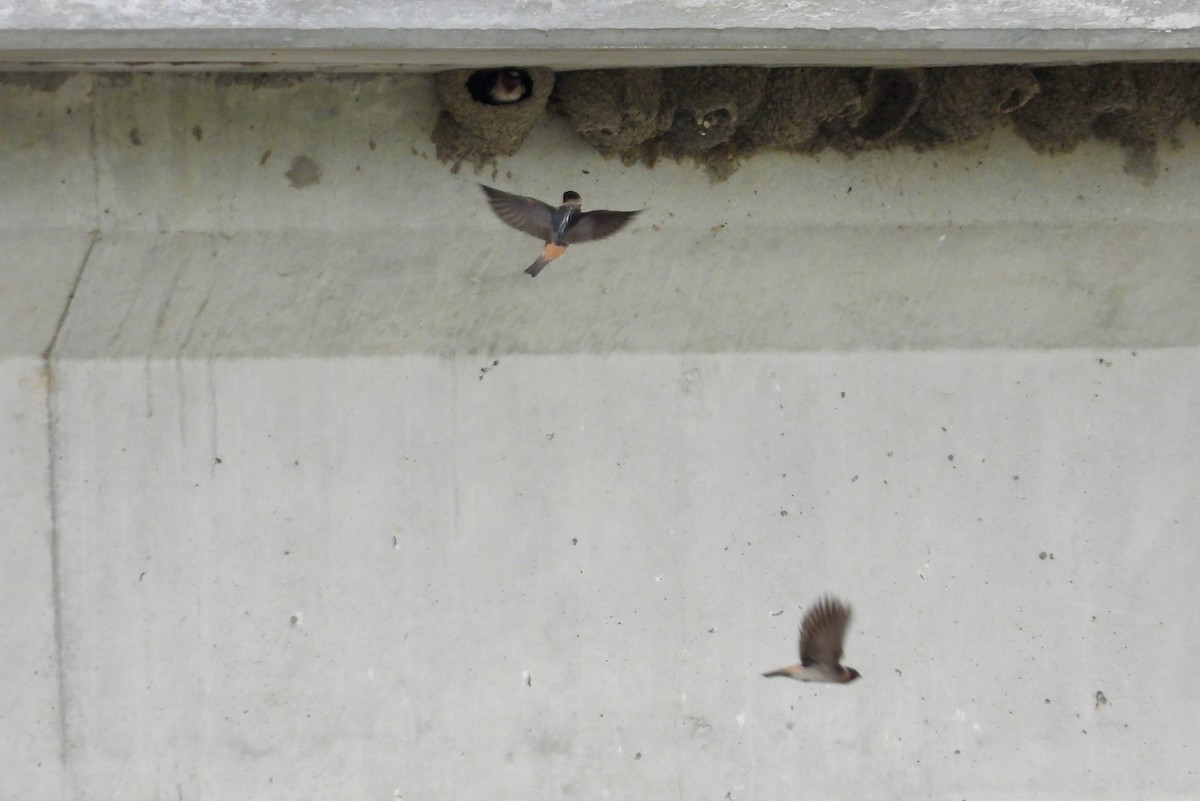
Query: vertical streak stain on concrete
{"x": 56, "y": 584}
{"x": 94, "y": 151}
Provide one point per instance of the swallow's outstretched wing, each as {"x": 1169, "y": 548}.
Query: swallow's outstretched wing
{"x": 822, "y": 633}
{"x": 526, "y": 214}
{"x": 597, "y": 224}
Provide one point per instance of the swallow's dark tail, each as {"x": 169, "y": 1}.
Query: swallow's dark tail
{"x": 549, "y": 253}
{"x": 538, "y": 266}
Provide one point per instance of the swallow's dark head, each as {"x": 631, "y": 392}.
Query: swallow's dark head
{"x": 571, "y": 197}
{"x": 512, "y": 82}
{"x": 500, "y": 87}
{"x": 849, "y": 674}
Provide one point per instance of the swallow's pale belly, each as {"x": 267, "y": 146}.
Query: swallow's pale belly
{"x": 811, "y": 673}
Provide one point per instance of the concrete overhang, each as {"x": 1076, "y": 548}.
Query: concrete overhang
{"x": 428, "y": 35}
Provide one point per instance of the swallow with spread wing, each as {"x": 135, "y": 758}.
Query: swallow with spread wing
{"x": 558, "y": 227}
{"x": 821, "y": 636}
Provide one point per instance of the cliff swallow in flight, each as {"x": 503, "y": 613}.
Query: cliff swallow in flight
{"x": 821, "y": 636}
{"x": 500, "y": 87}
{"x": 557, "y": 227}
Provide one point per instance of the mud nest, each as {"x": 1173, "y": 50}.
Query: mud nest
{"x": 717, "y": 116}
{"x": 488, "y": 113}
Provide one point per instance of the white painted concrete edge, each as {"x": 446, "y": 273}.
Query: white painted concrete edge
{"x": 431, "y": 34}
{"x": 564, "y": 15}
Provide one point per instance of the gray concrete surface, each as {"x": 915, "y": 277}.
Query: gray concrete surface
{"x": 317, "y": 495}
{"x": 612, "y": 33}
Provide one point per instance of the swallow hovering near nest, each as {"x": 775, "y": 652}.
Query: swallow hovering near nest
{"x": 821, "y": 636}
{"x": 557, "y": 227}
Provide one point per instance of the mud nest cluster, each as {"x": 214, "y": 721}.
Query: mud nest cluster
{"x": 719, "y": 115}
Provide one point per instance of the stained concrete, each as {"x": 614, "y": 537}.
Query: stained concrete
{"x": 316, "y": 494}
{"x": 47, "y": 212}
{"x": 31, "y": 711}
{"x": 37, "y": 274}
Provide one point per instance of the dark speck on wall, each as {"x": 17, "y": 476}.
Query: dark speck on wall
{"x": 488, "y": 368}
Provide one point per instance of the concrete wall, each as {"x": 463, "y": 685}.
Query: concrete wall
{"x": 316, "y": 495}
